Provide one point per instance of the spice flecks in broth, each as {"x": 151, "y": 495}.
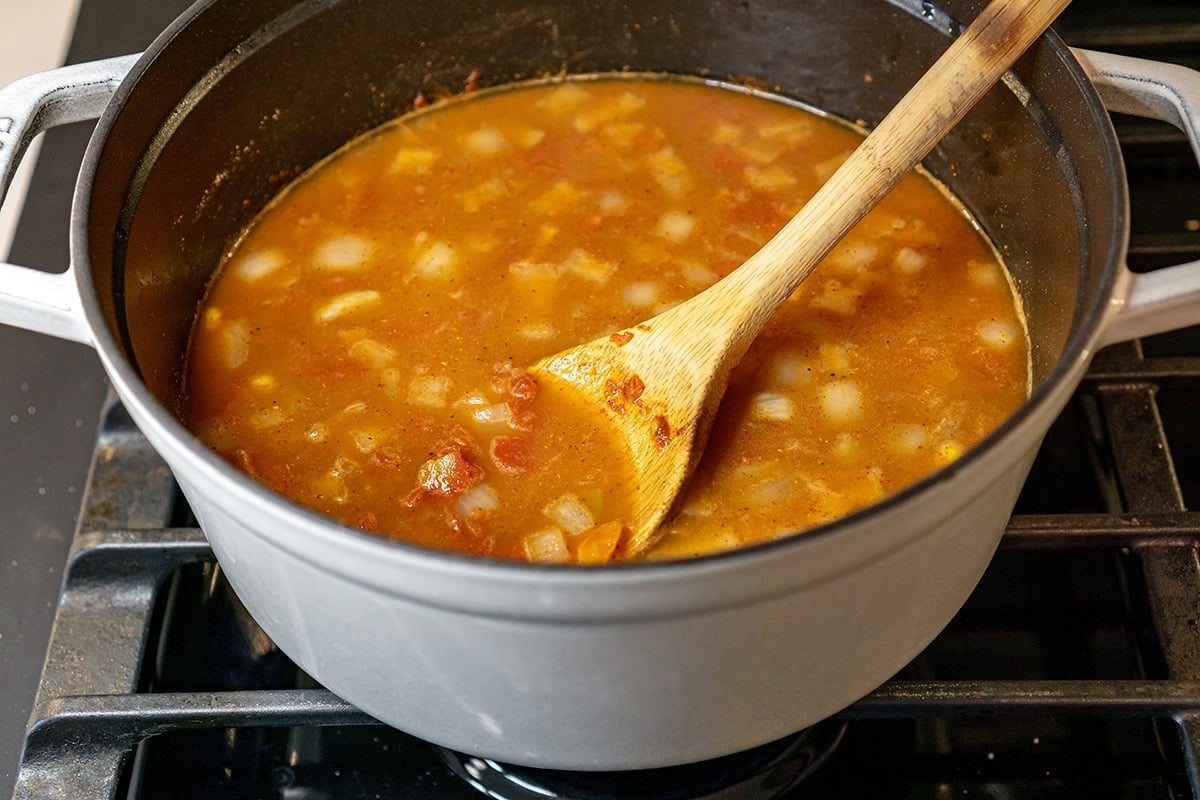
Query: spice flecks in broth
{"x": 361, "y": 350}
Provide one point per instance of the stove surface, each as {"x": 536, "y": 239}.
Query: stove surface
{"x": 1073, "y": 671}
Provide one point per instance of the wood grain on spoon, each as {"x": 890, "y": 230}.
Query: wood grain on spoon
{"x": 661, "y": 381}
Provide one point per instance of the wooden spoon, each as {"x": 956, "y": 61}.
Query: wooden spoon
{"x": 661, "y": 381}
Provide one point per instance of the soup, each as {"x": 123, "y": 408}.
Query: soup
{"x": 363, "y": 347}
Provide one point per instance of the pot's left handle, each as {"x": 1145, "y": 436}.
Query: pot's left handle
{"x": 1169, "y": 298}
{"x": 43, "y": 301}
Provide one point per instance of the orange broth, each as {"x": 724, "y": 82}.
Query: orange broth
{"x": 362, "y": 347}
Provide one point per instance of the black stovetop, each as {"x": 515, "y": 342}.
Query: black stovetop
{"x": 1073, "y": 671}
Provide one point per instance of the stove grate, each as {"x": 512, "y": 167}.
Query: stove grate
{"x": 110, "y": 694}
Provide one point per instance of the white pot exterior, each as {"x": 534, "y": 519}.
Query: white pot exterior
{"x": 605, "y": 669}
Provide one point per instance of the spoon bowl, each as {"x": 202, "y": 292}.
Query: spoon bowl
{"x": 659, "y": 383}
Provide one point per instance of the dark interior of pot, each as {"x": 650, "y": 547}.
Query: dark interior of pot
{"x": 244, "y": 97}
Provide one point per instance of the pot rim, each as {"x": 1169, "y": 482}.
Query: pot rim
{"x": 171, "y": 435}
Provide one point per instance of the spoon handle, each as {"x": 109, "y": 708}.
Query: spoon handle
{"x": 746, "y": 299}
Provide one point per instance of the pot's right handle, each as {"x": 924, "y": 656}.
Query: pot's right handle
{"x": 1169, "y": 298}
{"x": 48, "y": 302}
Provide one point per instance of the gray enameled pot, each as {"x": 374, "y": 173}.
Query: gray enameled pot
{"x": 620, "y": 667}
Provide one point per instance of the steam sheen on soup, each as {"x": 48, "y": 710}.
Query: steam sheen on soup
{"x": 362, "y": 348}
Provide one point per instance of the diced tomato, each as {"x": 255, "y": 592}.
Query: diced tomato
{"x": 448, "y": 475}
{"x": 626, "y": 390}
{"x": 510, "y": 454}
{"x": 662, "y": 432}
{"x": 387, "y": 457}
{"x": 523, "y": 387}
{"x": 519, "y": 394}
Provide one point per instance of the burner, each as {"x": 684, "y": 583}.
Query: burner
{"x": 764, "y": 772}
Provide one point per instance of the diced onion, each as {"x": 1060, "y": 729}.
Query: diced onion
{"x": 583, "y": 264}
{"x": 846, "y": 447}
{"x": 675, "y": 226}
{"x": 372, "y": 353}
{"x": 996, "y": 335}
{"x": 596, "y": 116}
{"x": 769, "y": 179}
{"x": 772, "y": 491}
{"x": 910, "y": 438}
{"x": 984, "y": 273}
{"x": 478, "y": 500}
{"x": 332, "y": 486}
{"x": 487, "y": 141}
{"x": 564, "y": 98}
{"x": 622, "y": 134}
{"x": 472, "y": 399}
{"x": 726, "y": 133}
{"x": 365, "y": 441}
{"x": 841, "y": 401}
{"x": 546, "y": 547}
{"x": 699, "y": 275}
{"x": 825, "y": 169}
{"x": 347, "y": 303}
{"x": 415, "y": 160}
{"x": 343, "y": 466}
{"x": 641, "y": 294}
{"x": 438, "y": 260}
{"x": 481, "y": 194}
{"x": 612, "y": 202}
{"x": 669, "y": 170}
{"x": 530, "y": 137}
{"x": 908, "y": 261}
{"x": 492, "y": 416}
{"x": 570, "y": 512}
{"x": 789, "y": 370}
{"x": 256, "y": 266}
{"x": 342, "y": 253}
{"x": 391, "y": 380}
{"x": 773, "y": 406}
{"x": 698, "y": 507}
{"x": 788, "y": 131}
{"x": 557, "y": 198}
{"x": 428, "y": 390}
{"x": 267, "y": 418}
{"x": 534, "y": 271}
{"x": 836, "y": 359}
{"x": 539, "y": 331}
{"x": 761, "y": 152}
{"x": 838, "y": 298}
{"x": 853, "y": 257}
{"x": 237, "y": 343}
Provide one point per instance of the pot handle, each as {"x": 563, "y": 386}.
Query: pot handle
{"x": 48, "y": 302}
{"x": 1169, "y": 298}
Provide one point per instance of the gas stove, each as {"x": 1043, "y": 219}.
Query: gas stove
{"x": 1072, "y": 672}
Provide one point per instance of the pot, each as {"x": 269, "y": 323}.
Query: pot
{"x": 632, "y": 665}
